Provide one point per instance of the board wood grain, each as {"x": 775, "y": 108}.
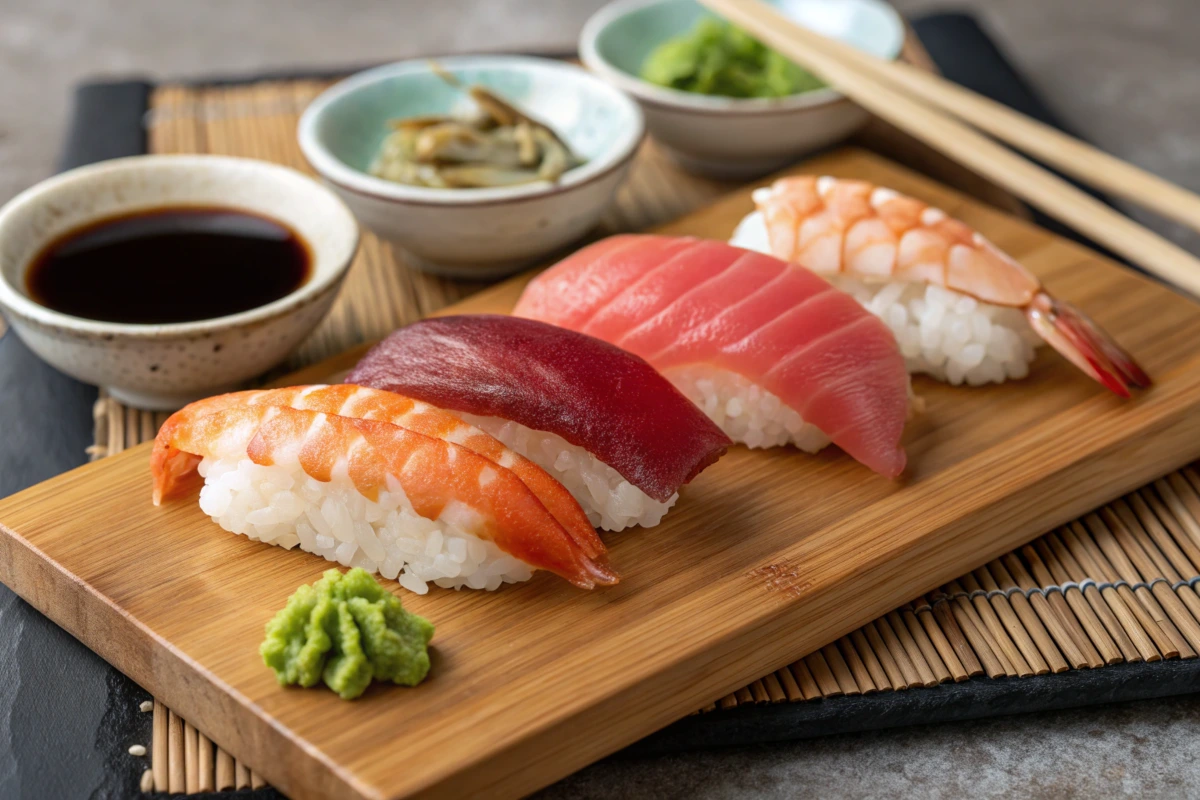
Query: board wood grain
{"x": 768, "y": 555}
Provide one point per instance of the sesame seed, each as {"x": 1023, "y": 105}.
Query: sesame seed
{"x": 137, "y": 750}
{"x": 146, "y": 705}
{"x": 147, "y": 784}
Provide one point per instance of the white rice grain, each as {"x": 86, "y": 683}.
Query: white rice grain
{"x": 281, "y": 505}
{"x": 746, "y": 412}
{"x": 946, "y": 334}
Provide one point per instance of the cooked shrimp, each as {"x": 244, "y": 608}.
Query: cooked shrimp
{"x": 854, "y": 228}
{"x": 440, "y": 479}
{"x": 359, "y": 402}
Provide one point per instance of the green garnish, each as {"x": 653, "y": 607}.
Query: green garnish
{"x": 714, "y": 57}
{"x": 346, "y": 630}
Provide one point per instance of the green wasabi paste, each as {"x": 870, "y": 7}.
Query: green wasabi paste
{"x": 716, "y": 58}
{"x": 346, "y": 630}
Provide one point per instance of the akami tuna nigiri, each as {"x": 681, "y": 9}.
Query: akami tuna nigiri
{"x": 962, "y": 310}
{"x": 368, "y": 493}
{"x": 770, "y": 351}
{"x": 600, "y": 420}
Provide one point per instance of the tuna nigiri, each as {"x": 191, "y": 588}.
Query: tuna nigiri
{"x": 600, "y": 420}
{"x": 771, "y": 352}
{"x": 367, "y": 493}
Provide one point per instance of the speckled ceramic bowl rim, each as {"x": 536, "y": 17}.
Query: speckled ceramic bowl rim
{"x": 678, "y": 100}
{"x": 334, "y": 170}
{"x": 323, "y": 277}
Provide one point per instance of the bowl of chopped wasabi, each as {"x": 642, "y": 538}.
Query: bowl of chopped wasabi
{"x": 720, "y": 102}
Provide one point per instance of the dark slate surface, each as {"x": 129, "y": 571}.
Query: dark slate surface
{"x": 67, "y": 718}
{"x": 56, "y": 722}
{"x": 52, "y": 689}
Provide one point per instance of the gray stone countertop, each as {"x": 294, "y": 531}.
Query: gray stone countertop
{"x": 1127, "y": 72}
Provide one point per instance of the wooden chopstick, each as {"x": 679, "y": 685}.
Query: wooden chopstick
{"x": 1035, "y": 185}
{"x": 1078, "y": 159}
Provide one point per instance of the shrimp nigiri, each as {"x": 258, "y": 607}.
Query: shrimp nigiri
{"x": 360, "y": 402}
{"x": 368, "y": 493}
{"x": 961, "y": 309}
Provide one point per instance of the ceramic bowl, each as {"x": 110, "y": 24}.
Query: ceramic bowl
{"x": 731, "y": 137}
{"x": 474, "y": 233}
{"x": 162, "y": 367}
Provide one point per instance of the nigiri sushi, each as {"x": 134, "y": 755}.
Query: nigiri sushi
{"x": 360, "y": 402}
{"x": 961, "y": 309}
{"x": 367, "y": 493}
{"x": 768, "y": 350}
{"x": 617, "y": 435}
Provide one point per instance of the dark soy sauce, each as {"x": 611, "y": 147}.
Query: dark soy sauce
{"x": 169, "y": 265}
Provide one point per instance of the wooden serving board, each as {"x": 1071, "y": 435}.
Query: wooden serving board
{"x": 768, "y": 554}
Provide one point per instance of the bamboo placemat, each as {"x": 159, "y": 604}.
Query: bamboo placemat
{"x": 1119, "y": 585}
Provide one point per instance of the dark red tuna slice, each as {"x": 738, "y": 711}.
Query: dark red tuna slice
{"x": 591, "y": 393}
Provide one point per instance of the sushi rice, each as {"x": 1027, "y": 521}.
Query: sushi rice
{"x": 942, "y": 333}
{"x": 746, "y": 412}
{"x": 610, "y": 502}
{"x": 281, "y": 505}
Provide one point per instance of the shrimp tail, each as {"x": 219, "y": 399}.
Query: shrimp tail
{"x": 600, "y": 572}
{"x": 1085, "y": 344}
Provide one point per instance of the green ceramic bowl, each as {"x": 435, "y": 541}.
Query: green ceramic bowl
{"x": 474, "y": 232}
{"x": 734, "y": 137}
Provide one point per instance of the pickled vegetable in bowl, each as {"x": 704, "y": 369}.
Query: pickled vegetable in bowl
{"x": 498, "y": 145}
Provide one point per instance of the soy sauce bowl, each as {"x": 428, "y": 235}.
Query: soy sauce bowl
{"x": 165, "y": 366}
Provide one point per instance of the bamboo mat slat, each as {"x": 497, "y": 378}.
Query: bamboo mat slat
{"x": 1119, "y": 585}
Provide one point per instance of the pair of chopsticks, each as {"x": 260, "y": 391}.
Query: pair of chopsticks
{"x": 953, "y": 120}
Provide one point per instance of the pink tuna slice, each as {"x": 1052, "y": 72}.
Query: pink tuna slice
{"x": 682, "y": 301}
{"x": 596, "y": 396}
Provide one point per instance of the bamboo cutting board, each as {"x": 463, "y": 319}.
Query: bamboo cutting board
{"x": 768, "y": 554}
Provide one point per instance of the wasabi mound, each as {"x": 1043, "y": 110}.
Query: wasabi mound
{"x": 346, "y": 630}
